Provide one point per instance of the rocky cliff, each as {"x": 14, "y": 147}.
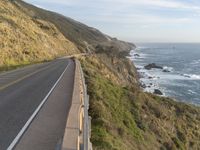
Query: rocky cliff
{"x": 123, "y": 116}
{"x": 126, "y": 118}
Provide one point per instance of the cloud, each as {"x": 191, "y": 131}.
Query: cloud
{"x": 121, "y": 17}
{"x": 138, "y": 19}
{"x": 56, "y": 2}
{"x": 158, "y": 3}
{"x": 127, "y": 11}
{"x": 121, "y": 5}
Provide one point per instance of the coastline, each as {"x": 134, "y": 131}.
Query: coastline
{"x": 162, "y": 76}
{"x": 150, "y": 88}
{"x": 142, "y": 120}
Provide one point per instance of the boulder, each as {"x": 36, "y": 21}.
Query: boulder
{"x": 153, "y": 65}
{"x": 136, "y": 55}
{"x": 138, "y": 68}
{"x": 158, "y": 92}
{"x": 165, "y": 70}
{"x": 143, "y": 85}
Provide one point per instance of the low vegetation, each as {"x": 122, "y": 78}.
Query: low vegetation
{"x": 25, "y": 40}
{"x": 125, "y": 118}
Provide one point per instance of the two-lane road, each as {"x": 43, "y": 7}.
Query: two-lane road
{"x": 23, "y": 90}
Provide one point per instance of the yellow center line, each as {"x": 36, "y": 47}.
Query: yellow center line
{"x": 22, "y": 78}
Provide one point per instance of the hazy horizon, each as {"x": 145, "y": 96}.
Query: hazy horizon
{"x": 144, "y": 21}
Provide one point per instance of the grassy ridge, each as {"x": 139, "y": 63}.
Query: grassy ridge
{"x": 86, "y": 38}
{"x": 110, "y": 109}
{"x": 125, "y": 118}
{"x": 29, "y": 34}
{"x": 26, "y": 40}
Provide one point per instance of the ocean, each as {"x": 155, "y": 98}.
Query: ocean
{"x": 180, "y": 76}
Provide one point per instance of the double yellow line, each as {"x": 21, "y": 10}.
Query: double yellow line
{"x": 22, "y": 78}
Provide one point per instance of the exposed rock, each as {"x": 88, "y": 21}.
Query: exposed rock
{"x": 143, "y": 85}
{"x": 165, "y": 70}
{"x": 153, "y": 65}
{"x": 185, "y": 75}
{"x": 158, "y": 92}
{"x": 138, "y": 68}
{"x": 136, "y": 55}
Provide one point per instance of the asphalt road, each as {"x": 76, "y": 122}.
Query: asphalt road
{"x": 22, "y": 91}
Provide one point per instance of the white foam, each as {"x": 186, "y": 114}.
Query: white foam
{"x": 192, "y": 92}
{"x": 195, "y": 62}
{"x": 192, "y": 76}
{"x": 138, "y": 48}
{"x": 132, "y": 52}
{"x": 136, "y": 56}
{"x": 170, "y": 69}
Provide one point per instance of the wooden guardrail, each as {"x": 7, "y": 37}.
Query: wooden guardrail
{"x": 78, "y": 126}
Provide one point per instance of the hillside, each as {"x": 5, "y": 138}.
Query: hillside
{"x": 123, "y": 116}
{"x": 30, "y": 34}
{"x": 24, "y": 40}
{"x": 126, "y": 118}
{"x": 86, "y": 38}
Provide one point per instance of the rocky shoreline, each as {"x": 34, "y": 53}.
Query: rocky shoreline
{"x": 147, "y": 67}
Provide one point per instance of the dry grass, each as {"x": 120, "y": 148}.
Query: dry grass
{"x": 24, "y": 39}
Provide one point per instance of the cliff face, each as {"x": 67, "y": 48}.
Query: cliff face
{"x": 126, "y": 118}
{"x": 123, "y": 116}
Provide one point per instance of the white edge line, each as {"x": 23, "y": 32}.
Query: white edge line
{"x": 19, "y": 135}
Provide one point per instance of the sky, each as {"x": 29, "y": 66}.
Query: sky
{"x": 134, "y": 20}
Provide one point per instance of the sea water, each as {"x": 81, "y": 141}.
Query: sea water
{"x": 180, "y": 76}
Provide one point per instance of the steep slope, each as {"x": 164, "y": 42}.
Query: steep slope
{"x": 123, "y": 116}
{"x": 24, "y": 40}
{"x": 126, "y": 118}
{"x": 86, "y": 38}
{"x": 29, "y": 34}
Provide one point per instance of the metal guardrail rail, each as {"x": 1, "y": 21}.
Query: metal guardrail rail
{"x": 87, "y": 145}
{"x": 78, "y": 127}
